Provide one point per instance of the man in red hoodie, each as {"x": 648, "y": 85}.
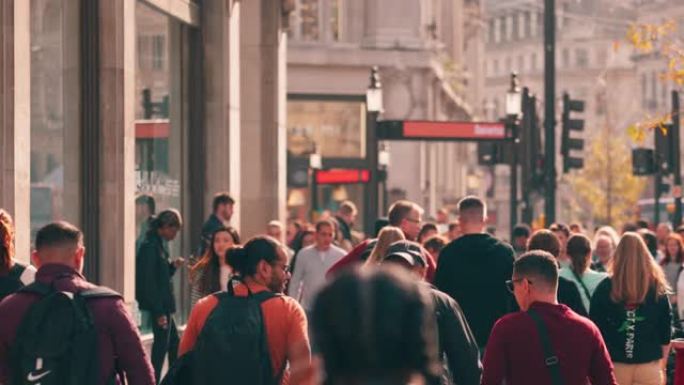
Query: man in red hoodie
{"x": 403, "y": 214}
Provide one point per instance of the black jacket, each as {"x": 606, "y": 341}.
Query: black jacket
{"x": 633, "y": 334}
{"x": 457, "y": 345}
{"x": 569, "y": 295}
{"x": 212, "y": 224}
{"x": 153, "y": 287}
{"x": 473, "y": 270}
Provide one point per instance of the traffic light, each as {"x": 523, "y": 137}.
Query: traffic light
{"x": 493, "y": 153}
{"x": 665, "y": 148}
{"x": 643, "y": 162}
{"x": 568, "y": 143}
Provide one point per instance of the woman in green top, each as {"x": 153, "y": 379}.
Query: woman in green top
{"x": 579, "y": 252}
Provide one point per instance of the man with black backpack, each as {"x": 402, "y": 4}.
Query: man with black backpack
{"x": 250, "y": 334}
{"x": 64, "y": 330}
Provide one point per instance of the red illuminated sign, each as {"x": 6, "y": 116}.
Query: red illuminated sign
{"x": 434, "y": 130}
{"x": 342, "y": 176}
{"x": 152, "y": 129}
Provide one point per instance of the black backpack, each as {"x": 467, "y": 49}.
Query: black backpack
{"x": 11, "y": 283}
{"x": 56, "y": 343}
{"x": 232, "y": 346}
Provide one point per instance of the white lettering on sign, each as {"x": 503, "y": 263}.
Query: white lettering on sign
{"x": 489, "y": 130}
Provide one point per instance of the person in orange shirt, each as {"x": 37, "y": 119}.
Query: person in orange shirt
{"x": 262, "y": 266}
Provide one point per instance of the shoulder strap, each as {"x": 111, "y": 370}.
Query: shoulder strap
{"x": 584, "y": 287}
{"x": 550, "y": 358}
{"x": 99, "y": 292}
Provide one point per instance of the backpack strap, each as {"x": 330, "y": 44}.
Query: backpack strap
{"x": 584, "y": 287}
{"x": 550, "y": 358}
{"x": 99, "y": 292}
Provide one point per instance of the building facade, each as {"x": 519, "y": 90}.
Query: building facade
{"x": 428, "y": 53}
{"x": 105, "y": 100}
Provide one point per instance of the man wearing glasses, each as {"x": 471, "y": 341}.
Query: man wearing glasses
{"x": 545, "y": 343}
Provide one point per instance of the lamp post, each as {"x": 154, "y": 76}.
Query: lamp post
{"x": 315, "y": 164}
{"x": 513, "y": 114}
{"x": 384, "y": 162}
{"x": 373, "y": 110}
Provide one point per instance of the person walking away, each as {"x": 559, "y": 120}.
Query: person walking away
{"x": 154, "y": 289}
{"x": 586, "y": 280}
{"x": 252, "y": 334}
{"x": 546, "y": 343}
{"x": 632, "y": 310}
{"x": 222, "y": 209}
{"x": 387, "y": 236}
{"x": 473, "y": 270}
{"x": 361, "y": 339}
{"x": 13, "y": 275}
{"x": 457, "y": 346}
{"x": 90, "y": 336}
{"x": 568, "y": 294}
{"x": 212, "y": 273}
{"x": 312, "y": 264}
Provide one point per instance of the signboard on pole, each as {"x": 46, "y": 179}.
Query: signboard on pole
{"x": 441, "y": 131}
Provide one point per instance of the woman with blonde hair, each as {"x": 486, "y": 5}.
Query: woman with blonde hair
{"x": 632, "y": 310}
{"x": 386, "y": 237}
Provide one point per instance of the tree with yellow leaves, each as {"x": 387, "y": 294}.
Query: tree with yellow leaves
{"x": 661, "y": 40}
{"x": 605, "y": 188}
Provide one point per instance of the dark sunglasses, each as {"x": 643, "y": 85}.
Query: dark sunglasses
{"x": 510, "y": 284}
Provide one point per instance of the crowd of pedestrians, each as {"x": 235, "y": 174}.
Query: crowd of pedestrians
{"x": 443, "y": 302}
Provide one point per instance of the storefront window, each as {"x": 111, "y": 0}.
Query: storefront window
{"x": 160, "y": 130}
{"x": 55, "y": 113}
{"x": 336, "y": 128}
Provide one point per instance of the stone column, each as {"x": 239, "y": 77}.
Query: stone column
{"x": 263, "y": 108}
{"x": 117, "y": 177}
{"x": 221, "y": 39}
{"x": 15, "y": 119}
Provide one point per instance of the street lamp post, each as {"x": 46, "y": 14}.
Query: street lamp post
{"x": 513, "y": 113}
{"x": 315, "y": 164}
{"x": 384, "y": 162}
{"x": 373, "y": 110}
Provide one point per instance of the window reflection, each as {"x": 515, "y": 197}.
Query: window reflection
{"x": 160, "y": 132}
{"x": 55, "y": 120}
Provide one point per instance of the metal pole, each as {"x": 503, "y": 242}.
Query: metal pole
{"x": 314, "y": 195}
{"x": 527, "y": 171}
{"x": 550, "y": 109}
{"x": 371, "y": 203}
{"x": 658, "y": 184}
{"x": 514, "y": 181}
{"x": 677, "y": 169}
